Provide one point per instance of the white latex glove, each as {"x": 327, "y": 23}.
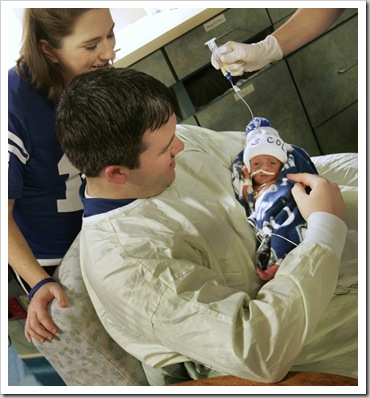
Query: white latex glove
{"x": 238, "y": 58}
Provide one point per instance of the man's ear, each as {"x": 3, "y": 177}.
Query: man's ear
{"x": 116, "y": 174}
{"x": 48, "y": 51}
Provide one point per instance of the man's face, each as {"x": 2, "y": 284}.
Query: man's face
{"x": 157, "y": 162}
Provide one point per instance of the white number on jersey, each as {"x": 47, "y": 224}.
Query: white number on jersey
{"x": 72, "y": 202}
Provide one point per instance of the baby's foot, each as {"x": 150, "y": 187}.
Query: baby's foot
{"x": 269, "y": 273}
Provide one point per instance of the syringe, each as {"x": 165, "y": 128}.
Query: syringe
{"x": 216, "y": 53}
{"x": 214, "y": 49}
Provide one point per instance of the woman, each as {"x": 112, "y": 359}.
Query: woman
{"x": 44, "y": 210}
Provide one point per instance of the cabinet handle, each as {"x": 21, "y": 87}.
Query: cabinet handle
{"x": 344, "y": 70}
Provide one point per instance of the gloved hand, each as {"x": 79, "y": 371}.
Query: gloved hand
{"x": 239, "y": 58}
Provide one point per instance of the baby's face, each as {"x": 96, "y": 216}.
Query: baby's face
{"x": 265, "y": 163}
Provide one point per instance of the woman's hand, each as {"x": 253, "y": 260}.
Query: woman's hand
{"x": 38, "y": 323}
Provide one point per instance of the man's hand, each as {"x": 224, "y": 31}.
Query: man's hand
{"x": 38, "y": 322}
{"x": 324, "y": 196}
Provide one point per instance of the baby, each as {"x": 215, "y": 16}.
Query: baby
{"x": 259, "y": 174}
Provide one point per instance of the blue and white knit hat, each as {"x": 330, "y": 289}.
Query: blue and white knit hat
{"x": 263, "y": 139}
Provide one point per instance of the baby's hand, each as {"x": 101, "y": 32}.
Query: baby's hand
{"x": 247, "y": 182}
{"x": 245, "y": 172}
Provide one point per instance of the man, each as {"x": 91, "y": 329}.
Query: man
{"x": 167, "y": 256}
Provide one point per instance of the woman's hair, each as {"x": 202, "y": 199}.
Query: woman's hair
{"x": 102, "y": 116}
{"x": 51, "y": 25}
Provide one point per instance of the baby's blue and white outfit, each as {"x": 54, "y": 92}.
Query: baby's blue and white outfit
{"x": 275, "y": 216}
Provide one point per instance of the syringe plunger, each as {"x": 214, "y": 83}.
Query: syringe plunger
{"x": 214, "y": 49}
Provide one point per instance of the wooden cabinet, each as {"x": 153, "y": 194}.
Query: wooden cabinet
{"x": 310, "y": 97}
{"x": 277, "y": 14}
{"x": 271, "y": 94}
{"x": 188, "y": 53}
{"x": 340, "y": 133}
{"x": 325, "y": 73}
{"x": 156, "y": 65}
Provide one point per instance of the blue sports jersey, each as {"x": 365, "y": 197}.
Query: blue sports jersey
{"x": 42, "y": 181}
{"x": 93, "y": 206}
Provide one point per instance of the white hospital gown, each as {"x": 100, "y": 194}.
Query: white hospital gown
{"x": 172, "y": 278}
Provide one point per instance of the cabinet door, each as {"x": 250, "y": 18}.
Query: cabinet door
{"x": 325, "y": 72}
{"x": 270, "y": 94}
{"x": 340, "y": 134}
{"x": 190, "y": 120}
{"x": 277, "y": 14}
{"x": 188, "y": 53}
{"x": 156, "y": 66}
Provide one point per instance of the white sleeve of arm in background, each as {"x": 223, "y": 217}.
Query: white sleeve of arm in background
{"x": 327, "y": 230}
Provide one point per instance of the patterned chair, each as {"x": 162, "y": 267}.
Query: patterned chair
{"x": 83, "y": 353}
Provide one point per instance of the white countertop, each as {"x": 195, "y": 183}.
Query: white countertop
{"x": 152, "y": 32}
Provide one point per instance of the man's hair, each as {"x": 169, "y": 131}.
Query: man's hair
{"x": 103, "y": 115}
{"x": 51, "y": 25}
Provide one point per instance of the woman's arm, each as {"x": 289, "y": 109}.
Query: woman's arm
{"x": 21, "y": 259}
{"x": 303, "y": 26}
